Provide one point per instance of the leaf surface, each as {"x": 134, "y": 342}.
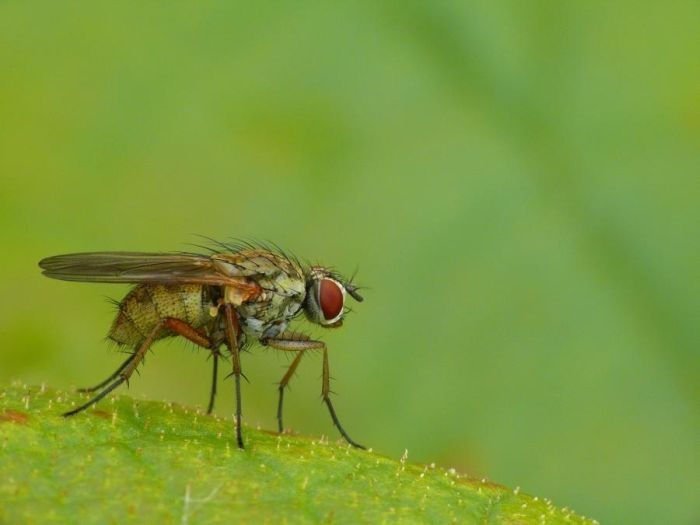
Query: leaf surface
{"x": 132, "y": 461}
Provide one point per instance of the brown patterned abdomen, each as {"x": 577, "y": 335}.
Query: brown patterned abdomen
{"x": 147, "y": 304}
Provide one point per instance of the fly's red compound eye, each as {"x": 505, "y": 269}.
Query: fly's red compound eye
{"x": 330, "y": 298}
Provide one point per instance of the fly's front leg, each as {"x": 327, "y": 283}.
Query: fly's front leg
{"x": 290, "y": 343}
{"x": 325, "y": 392}
{"x": 283, "y": 384}
{"x": 300, "y": 343}
{"x": 232, "y": 329}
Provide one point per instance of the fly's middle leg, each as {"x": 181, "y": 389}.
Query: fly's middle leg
{"x": 214, "y": 378}
{"x": 232, "y": 329}
{"x": 199, "y": 338}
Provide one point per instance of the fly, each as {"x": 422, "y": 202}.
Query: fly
{"x": 231, "y": 297}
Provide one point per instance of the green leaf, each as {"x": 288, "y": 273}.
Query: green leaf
{"x": 131, "y": 461}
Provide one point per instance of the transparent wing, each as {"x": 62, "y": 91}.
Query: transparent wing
{"x": 136, "y": 267}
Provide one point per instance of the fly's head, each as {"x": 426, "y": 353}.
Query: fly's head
{"x": 325, "y": 297}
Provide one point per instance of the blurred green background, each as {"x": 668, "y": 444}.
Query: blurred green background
{"x": 517, "y": 182}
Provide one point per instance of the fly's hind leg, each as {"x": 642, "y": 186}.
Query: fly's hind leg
{"x": 124, "y": 372}
{"x": 110, "y": 378}
{"x": 300, "y": 343}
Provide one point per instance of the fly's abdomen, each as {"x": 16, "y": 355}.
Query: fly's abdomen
{"x": 147, "y": 305}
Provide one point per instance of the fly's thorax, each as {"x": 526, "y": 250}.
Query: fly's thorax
{"x": 280, "y": 300}
{"x": 148, "y": 304}
{"x": 254, "y": 263}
